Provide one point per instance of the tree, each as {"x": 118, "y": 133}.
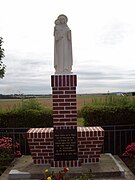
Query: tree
{"x": 2, "y": 66}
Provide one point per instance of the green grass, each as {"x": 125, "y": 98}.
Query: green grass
{"x": 80, "y": 122}
{"x": 9, "y": 100}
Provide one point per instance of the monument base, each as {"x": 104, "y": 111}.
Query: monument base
{"x": 41, "y": 144}
{"x": 109, "y": 167}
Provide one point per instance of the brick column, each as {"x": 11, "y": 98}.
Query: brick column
{"x": 64, "y": 101}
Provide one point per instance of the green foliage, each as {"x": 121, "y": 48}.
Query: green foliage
{"x": 2, "y": 66}
{"x": 113, "y": 111}
{"x": 113, "y": 101}
{"x": 31, "y": 104}
{"x": 30, "y": 114}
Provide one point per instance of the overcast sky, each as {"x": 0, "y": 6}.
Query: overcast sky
{"x": 103, "y": 41}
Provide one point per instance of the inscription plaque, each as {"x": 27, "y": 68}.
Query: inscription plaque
{"x": 65, "y": 144}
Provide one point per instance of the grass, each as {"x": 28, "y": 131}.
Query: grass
{"x": 80, "y": 122}
{"x": 82, "y": 100}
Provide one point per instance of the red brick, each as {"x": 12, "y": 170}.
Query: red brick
{"x": 47, "y": 150}
{"x": 75, "y": 80}
{"x": 64, "y": 119}
{"x": 80, "y": 153}
{"x": 80, "y": 146}
{"x": 64, "y": 96}
{"x": 39, "y": 147}
{"x": 73, "y": 96}
{"x": 35, "y": 150}
{"x": 43, "y": 154}
{"x": 95, "y": 133}
{"x": 71, "y": 80}
{"x": 31, "y": 135}
{"x": 60, "y": 81}
{"x": 70, "y": 107}
{"x": 73, "y": 104}
{"x": 35, "y": 135}
{"x": 90, "y": 146}
{"x": 47, "y": 135}
{"x": 49, "y": 140}
{"x": 33, "y": 154}
{"x": 55, "y": 104}
{"x": 64, "y": 88}
{"x": 30, "y": 139}
{"x": 71, "y": 123}
{"x": 95, "y": 149}
{"x": 56, "y": 80}
{"x": 73, "y": 88}
{"x": 92, "y": 138}
{"x": 84, "y": 149}
{"x": 33, "y": 143}
{"x": 70, "y": 92}
{"x": 101, "y": 138}
{"x": 39, "y": 135}
{"x": 57, "y": 92}
{"x": 45, "y": 143}
{"x": 38, "y": 157}
{"x": 55, "y": 112}
{"x": 58, "y": 108}
{"x": 58, "y": 124}
{"x": 64, "y": 80}
{"x": 68, "y": 81}
{"x": 70, "y": 100}
{"x": 79, "y": 134}
{"x": 58, "y": 100}
{"x": 31, "y": 147}
{"x": 80, "y": 138}
{"x": 67, "y": 163}
{"x": 71, "y": 115}
{"x": 55, "y": 88}
{"x": 39, "y": 140}
{"x": 59, "y": 116}
{"x": 82, "y": 156}
{"x": 52, "y": 81}
{"x": 35, "y": 162}
{"x": 43, "y": 135}
{"x": 55, "y": 96}
{"x": 51, "y": 154}
{"x": 83, "y": 134}
{"x": 97, "y": 142}
{"x": 85, "y": 142}
{"x": 64, "y": 104}
{"x": 64, "y": 112}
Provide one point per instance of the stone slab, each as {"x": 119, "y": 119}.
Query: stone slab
{"x": 109, "y": 167}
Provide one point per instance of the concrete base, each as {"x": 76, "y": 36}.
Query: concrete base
{"x": 109, "y": 167}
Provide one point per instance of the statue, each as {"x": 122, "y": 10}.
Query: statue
{"x": 62, "y": 46}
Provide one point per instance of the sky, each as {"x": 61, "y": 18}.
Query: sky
{"x": 103, "y": 44}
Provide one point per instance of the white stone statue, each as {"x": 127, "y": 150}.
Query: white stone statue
{"x": 63, "y": 60}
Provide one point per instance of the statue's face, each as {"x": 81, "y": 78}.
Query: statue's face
{"x": 62, "y": 20}
{"x": 57, "y": 22}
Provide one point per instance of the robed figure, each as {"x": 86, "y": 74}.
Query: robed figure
{"x": 63, "y": 60}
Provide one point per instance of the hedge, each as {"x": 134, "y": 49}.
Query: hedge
{"x": 28, "y": 118}
{"x": 108, "y": 115}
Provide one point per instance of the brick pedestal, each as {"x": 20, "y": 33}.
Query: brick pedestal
{"x": 64, "y": 101}
{"x": 89, "y": 139}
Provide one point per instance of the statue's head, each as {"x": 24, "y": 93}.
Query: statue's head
{"x": 63, "y": 19}
{"x": 57, "y": 21}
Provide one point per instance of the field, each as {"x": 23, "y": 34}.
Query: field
{"x": 7, "y": 104}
